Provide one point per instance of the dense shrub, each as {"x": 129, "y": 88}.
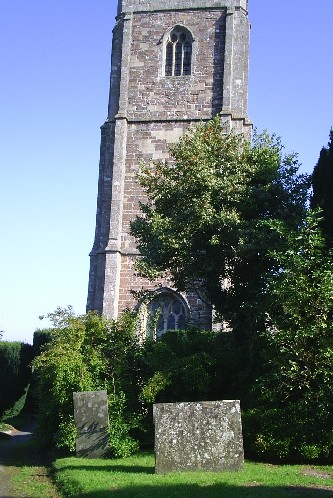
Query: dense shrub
{"x": 293, "y": 392}
{"x": 294, "y": 433}
{"x": 189, "y": 365}
{"x": 84, "y": 353}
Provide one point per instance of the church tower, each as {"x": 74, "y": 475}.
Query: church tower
{"x": 174, "y": 63}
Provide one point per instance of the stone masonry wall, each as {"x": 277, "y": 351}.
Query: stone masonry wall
{"x": 160, "y": 109}
{"x": 151, "y": 95}
{"x": 137, "y": 5}
{"x": 130, "y": 283}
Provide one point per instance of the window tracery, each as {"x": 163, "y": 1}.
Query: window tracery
{"x": 166, "y": 311}
{"x": 178, "y": 53}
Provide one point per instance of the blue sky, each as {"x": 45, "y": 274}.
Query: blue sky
{"x": 55, "y": 63}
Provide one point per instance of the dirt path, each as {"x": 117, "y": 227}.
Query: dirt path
{"x": 5, "y": 478}
{"x": 14, "y": 439}
{"x": 15, "y": 455}
{"x": 8, "y": 442}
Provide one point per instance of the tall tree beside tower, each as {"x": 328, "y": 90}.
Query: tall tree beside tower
{"x": 322, "y": 185}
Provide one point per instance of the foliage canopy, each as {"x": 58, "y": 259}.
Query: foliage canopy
{"x": 294, "y": 388}
{"x": 208, "y": 212}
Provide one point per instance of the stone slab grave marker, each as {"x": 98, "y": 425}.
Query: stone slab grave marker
{"x": 92, "y": 423}
{"x": 204, "y": 435}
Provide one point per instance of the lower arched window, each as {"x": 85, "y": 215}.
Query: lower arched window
{"x": 166, "y": 311}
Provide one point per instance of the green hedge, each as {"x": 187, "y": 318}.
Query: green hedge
{"x": 41, "y": 337}
{"x": 15, "y": 372}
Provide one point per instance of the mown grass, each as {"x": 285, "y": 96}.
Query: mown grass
{"x": 33, "y": 481}
{"x": 134, "y": 477}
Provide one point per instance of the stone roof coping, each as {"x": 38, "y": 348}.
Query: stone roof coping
{"x": 153, "y": 5}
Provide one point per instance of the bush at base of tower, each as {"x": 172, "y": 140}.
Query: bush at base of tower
{"x": 293, "y": 433}
{"x": 90, "y": 352}
{"x": 282, "y": 375}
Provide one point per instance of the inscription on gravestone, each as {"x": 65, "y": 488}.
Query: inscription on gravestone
{"x": 92, "y": 423}
{"x": 198, "y": 436}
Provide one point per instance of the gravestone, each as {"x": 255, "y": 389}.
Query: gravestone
{"x": 92, "y": 423}
{"x": 203, "y": 435}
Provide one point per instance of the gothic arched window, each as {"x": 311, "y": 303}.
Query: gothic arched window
{"x": 166, "y": 311}
{"x": 178, "y": 53}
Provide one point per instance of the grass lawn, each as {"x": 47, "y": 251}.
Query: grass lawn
{"x": 134, "y": 477}
{"x": 32, "y": 481}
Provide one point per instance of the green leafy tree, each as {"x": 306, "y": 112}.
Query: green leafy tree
{"x": 295, "y": 385}
{"x": 322, "y": 185}
{"x": 207, "y": 212}
{"x": 300, "y": 324}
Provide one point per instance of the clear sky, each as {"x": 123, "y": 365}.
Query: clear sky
{"x": 55, "y": 63}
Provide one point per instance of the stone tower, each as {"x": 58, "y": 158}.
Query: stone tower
{"x": 174, "y": 63}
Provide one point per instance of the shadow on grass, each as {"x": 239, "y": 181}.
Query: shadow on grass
{"x": 136, "y": 469}
{"x": 212, "y": 491}
{"x": 21, "y": 451}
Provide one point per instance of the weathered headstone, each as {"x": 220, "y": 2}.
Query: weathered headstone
{"x": 92, "y": 423}
{"x": 203, "y": 435}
